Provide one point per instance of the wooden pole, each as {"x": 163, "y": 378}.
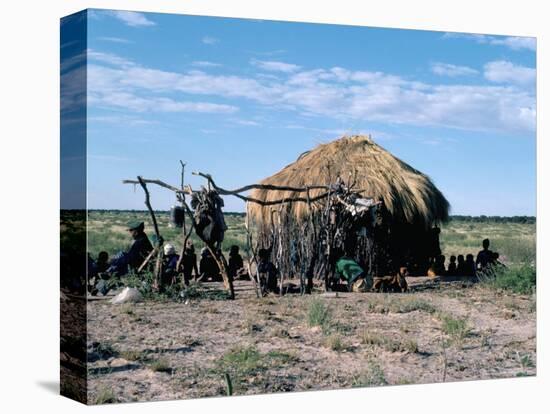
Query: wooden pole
{"x": 158, "y": 264}
{"x": 251, "y": 253}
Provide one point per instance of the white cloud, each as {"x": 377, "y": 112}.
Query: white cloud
{"x": 133, "y": 19}
{"x": 206, "y": 64}
{"x": 122, "y": 120}
{"x": 274, "y": 66}
{"x": 108, "y": 58}
{"x": 448, "y": 69}
{"x": 502, "y": 71}
{"x": 246, "y": 122}
{"x": 114, "y": 39}
{"x": 512, "y": 42}
{"x": 209, "y": 40}
{"x": 516, "y": 43}
{"x": 335, "y": 93}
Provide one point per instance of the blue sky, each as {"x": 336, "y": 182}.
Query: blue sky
{"x": 240, "y": 99}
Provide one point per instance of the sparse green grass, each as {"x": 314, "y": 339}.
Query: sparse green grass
{"x": 104, "y": 395}
{"x": 242, "y": 360}
{"x": 132, "y": 355}
{"x": 318, "y": 313}
{"x": 106, "y": 230}
{"x": 387, "y": 343}
{"x": 525, "y": 360}
{"x": 334, "y": 342}
{"x": 160, "y": 365}
{"x": 517, "y": 279}
{"x": 456, "y": 328}
{"x": 396, "y": 304}
{"x": 515, "y": 242}
{"x": 372, "y": 376}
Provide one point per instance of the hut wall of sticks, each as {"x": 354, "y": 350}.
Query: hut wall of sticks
{"x": 360, "y": 200}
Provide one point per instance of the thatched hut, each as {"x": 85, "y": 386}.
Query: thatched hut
{"x": 413, "y": 205}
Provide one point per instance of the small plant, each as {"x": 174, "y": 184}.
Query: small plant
{"x": 456, "y": 328}
{"x": 228, "y": 385}
{"x": 318, "y": 314}
{"x": 371, "y": 377}
{"x": 334, "y": 342}
{"x": 410, "y": 345}
{"x": 127, "y": 309}
{"x": 104, "y": 350}
{"x": 281, "y": 357}
{"x": 525, "y": 360}
{"x": 105, "y": 396}
{"x": 242, "y": 360}
{"x": 408, "y": 305}
{"x": 389, "y": 344}
{"x": 132, "y": 355}
{"x": 160, "y": 365}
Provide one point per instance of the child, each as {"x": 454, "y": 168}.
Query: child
{"x": 470, "y": 265}
{"x": 236, "y": 264}
{"x": 268, "y": 272}
{"x": 451, "y": 270}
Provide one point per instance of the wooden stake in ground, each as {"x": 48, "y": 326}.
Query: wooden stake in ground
{"x": 158, "y": 247}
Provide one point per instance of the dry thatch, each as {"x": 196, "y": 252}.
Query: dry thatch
{"x": 409, "y": 195}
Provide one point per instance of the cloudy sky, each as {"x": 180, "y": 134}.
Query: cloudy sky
{"x": 241, "y": 99}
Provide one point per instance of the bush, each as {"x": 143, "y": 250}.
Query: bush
{"x": 521, "y": 279}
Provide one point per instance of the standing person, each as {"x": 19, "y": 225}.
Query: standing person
{"x": 189, "y": 263}
{"x": 141, "y": 246}
{"x": 484, "y": 257}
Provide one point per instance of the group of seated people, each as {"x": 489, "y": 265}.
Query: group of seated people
{"x": 176, "y": 271}
{"x": 460, "y": 266}
{"x": 102, "y": 269}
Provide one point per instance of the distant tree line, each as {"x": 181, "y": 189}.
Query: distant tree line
{"x": 495, "y": 219}
{"x": 458, "y": 218}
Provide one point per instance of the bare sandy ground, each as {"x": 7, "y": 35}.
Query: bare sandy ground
{"x": 436, "y": 333}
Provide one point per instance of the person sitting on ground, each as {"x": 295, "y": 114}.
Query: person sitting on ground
{"x": 470, "y": 265}
{"x": 236, "y": 264}
{"x": 141, "y": 246}
{"x": 451, "y": 270}
{"x": 438, "y": 266}
{"x": 169, "y": 265}
{"x": 208, "y": 267}
{"x": 496, "y": 262}
{"x": 349, "y": 270}
{"x": 102, "y": 262}
{"x": 189, "y": 263}
{"x": 461, "y": 265}
{"x": 268, "y": 272}
{"x": 484, "y": 257}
